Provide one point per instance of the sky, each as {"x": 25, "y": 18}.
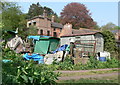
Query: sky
{"x": 102, "y": 12}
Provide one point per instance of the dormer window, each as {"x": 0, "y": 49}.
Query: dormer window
{"x": 29, "y": 24}
{"x": 48, "y": 33}
{"x": 34, "y": 23}
{"x": 41, "y": 32}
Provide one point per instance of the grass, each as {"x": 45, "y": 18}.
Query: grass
{"x": 90, "y": 81}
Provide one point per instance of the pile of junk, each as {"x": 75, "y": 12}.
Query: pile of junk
{"x": 45, "y": 49}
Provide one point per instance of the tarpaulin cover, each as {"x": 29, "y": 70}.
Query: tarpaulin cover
{"x": 5, "y": 60}
{"x": 62, "y": 48}
{"x": 38, "y": 37}
{"x": 46, "y": 45}
{"x": 34, "y": 37}
{"x": 35, "y": 57}
{"x": 41, "y": 46}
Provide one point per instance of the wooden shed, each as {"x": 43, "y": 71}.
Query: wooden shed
{"x": 86, "y": 41}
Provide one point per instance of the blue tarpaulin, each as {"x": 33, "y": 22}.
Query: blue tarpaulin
{"x": 37, "y": 37}
{"x": 61, "y": 48}
{"x": 35, "y": 57}
{"x": 34, "y": 37}
{"x": 5, "y": 60}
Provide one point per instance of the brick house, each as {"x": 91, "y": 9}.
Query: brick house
{"x": 117, "y": 36}
{"x": 45, "y": 25}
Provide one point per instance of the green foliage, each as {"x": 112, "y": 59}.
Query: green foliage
{"x": 25, "y": 72}
{"x": 109, "y": 41}
{"x": 12, "y": 18}
{"x": 11, "y": 15}
{"x": 91, "y": 64}
{"x": 66, "y": 65}
{"x": 9, "y": 54}
{"x": 24, "y": 32}
{"x": 28, "y": 72}
{"x": 109, "y": 26}
{"x": 37, "y": 9}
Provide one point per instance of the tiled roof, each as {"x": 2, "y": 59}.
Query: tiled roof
{"x": 82, "y": 31}
{"x": 92, "y": 33}
{"x": 39, "y": 17}
{"x": 56, "y": 25}
{"x": 116, "y": 31}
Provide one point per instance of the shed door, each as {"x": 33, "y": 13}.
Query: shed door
{"x": 99, "y": 44}
{"x": 41, "y": 46}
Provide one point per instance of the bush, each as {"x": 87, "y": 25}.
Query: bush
{"x": 91, "y": 64}
{"x": 26, "y": 72}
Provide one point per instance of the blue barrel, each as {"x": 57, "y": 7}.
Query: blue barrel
{"x": 102, "y": 59}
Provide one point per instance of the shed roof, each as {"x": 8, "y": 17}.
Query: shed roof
{"x": 56, "y": 25}
{"x": 92, "y": 33}
{"x": 82, "y": 31}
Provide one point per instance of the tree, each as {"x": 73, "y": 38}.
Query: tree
{"x": 35, "y": 10}
{"x": 78, "y": 15}
{"x": 49, "y": 11}
{"x": 109, "y": 41}
{"x": 109, "y": 26}
{"x": 11, "y": 16}
{"x": 24, "y": 32}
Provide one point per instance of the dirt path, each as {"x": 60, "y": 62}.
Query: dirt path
{"x": 88, "y": 76}
{"x": 86, "y": 70}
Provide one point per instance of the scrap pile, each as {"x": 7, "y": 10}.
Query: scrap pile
{"x": 46, "y": 50}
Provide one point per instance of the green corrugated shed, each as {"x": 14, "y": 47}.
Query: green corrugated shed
{"x": 46, "y": 45}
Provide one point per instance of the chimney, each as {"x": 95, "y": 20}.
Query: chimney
{"x": 67, "y": 29}
{"x": 52, "y": 19}
{"x": 44, "y": 13}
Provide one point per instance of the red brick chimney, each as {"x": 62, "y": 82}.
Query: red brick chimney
{"x": 52, "y": 19}
{"x": 67, "y": 30}
{"x": 44, "y": 13}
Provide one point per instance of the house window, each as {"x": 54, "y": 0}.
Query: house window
{"x": 29, "y": 24}
{"x": 54, "y": 29}
{"x": 60, "y": 30}
{"x": 54, "y": 34}
{"x": 48, "y": 33}
{"x": 34, "y": 23}
{"x": 41, "y": 32}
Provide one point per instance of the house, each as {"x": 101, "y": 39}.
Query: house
{"x": 86, "y": 40}
{"x": 45, "y": 25}
{"x": 117, "y": 36}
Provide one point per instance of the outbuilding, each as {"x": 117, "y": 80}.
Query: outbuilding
{"x": 87, "y": 41}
